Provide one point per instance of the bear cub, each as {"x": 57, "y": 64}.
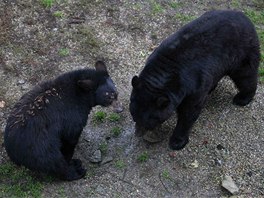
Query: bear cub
{"x": 186, "y": 67}
{"x": 45, "y": 124}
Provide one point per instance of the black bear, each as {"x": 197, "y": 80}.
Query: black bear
{"x": 45, "y": 124}
{"x": 186, "y": 67}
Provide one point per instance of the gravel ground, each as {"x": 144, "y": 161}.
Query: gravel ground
{"x": 38, "y": 43}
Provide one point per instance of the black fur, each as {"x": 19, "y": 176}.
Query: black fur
{"x": 187, "y": 66}
{"x": 44, "y": 126}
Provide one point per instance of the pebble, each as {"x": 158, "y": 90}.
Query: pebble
{"x": 218, "y": 162}
{"x": 220, "y": 147}
{"x": 107, "y": 160}
{"x": 100, "y": 190}
{"x": 21, "y": 82}
{"x": 172, "y": 154}
{"x": 25, "y": 87}
{"x": 230, "y": 185}
{"x": 195, "y": 164}
{"x": 96, "y": 157}
{"x": 2, "y": 104}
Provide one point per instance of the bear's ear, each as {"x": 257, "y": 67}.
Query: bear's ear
{"x": 86, "y": 84}
{"x": 163, "y": 101}
{"x": 136, "y": 82}
{"x": 100, "y": 66}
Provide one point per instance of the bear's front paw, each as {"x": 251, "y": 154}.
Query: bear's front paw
{"x": 242, "y": 100}
{"x": 178, "y": 143}
{"x": 77, "y": 164}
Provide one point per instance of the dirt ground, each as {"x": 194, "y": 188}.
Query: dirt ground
{"x": 38, "y": 42}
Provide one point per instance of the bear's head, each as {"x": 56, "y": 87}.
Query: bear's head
{"x": 105, "y": 89}
{"x": 148, "y": 108}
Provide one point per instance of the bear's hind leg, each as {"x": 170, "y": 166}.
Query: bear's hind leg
{"x": 67, "y": 151}
{"x": 245, "y": 79}
{"x": 68, "y": 171}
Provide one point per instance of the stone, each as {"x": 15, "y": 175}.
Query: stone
{"x": 154, "y": 136}
{"x": 230, "y": 185}
{"x": 96, "y": 157}
{"x": 21, "y": 82}
{"x": 2, "y": 104}
{"x": 106, "y": 160}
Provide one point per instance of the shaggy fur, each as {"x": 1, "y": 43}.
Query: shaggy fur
{"x": 186, "y": 67}
{"x": 44, "y": 126}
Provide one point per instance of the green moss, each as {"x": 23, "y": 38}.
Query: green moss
{"x": 99, "y": 116}
{"x": 184, "y": 18}
{"x": 175, "y": 4}
{"x": 235, "y": 3}
{"x": 143, "y": 157}
{"x": 58, "y": 14}
{"x": 257, "y": 17}
{"x": 17, "y": 182}
{"x": 116, "y": 131}
{"x": 103, "y": 147}
{"x": 89, "y": 38}
{"x": 64, "y": 52}
{"x": 166, "y": 175}
{"x": 120, "y": 164}
{"x": 259, "y": 4}
{"x": 155, "y": 7}
{"x": 47, "y": 3}
{"x": 114, "y": 117}
{"x": 261, "y": 72}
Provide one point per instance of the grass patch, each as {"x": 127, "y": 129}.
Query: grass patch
{"x": 103, "y": 147}
{"x": 99, "y": 116}
{"x": 235, "y": 3}
{"x": 184, "y": 18}
{"x": 17, "y": 182}
{"x": 89, "y": 43}
{"x": 61, "y": 192}
{"x": 143, "y": 157}
{"x": 261, "y": 72}
{"x": 155, "y": 7}
{"x": 175, "y": 4}
{"x": 120, "y": 164}
{"x": 257, "y": 17}
{"x": 259, "y": 4}
{"x": 58, "y": 14}
{"x": 116, "y": 131}
{"x": 64, "y": 52}
{"x": 166, "y": 175}
{"x": 47, "y": 3}
{"x": 114, "y": 117}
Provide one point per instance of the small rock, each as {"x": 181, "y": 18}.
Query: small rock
{"x": 107, "y": 160}
{"x": 195, "y": 164}
{"x": 172, "y": 154}
{"x": 218, "y": 162}
{"x": 25, "y": 87}
{"x": 249, "y": 173}
{"x": 100, "y": 189}
{"x": 21, "y": 82}
{"x": 154, "y": 136}
{"x": 96, "y": 157}
{"x": 220, "y": 147}
{"x": 230, "y": 185}
{"x": 2, "y": 104}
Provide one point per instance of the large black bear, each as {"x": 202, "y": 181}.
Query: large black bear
{"x": 44, "y": 126}
{"x": 187, "y": 66}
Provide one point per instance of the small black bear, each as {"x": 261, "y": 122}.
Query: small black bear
{"x": 186, "y": 67}
{"x": 44, "y": 126}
